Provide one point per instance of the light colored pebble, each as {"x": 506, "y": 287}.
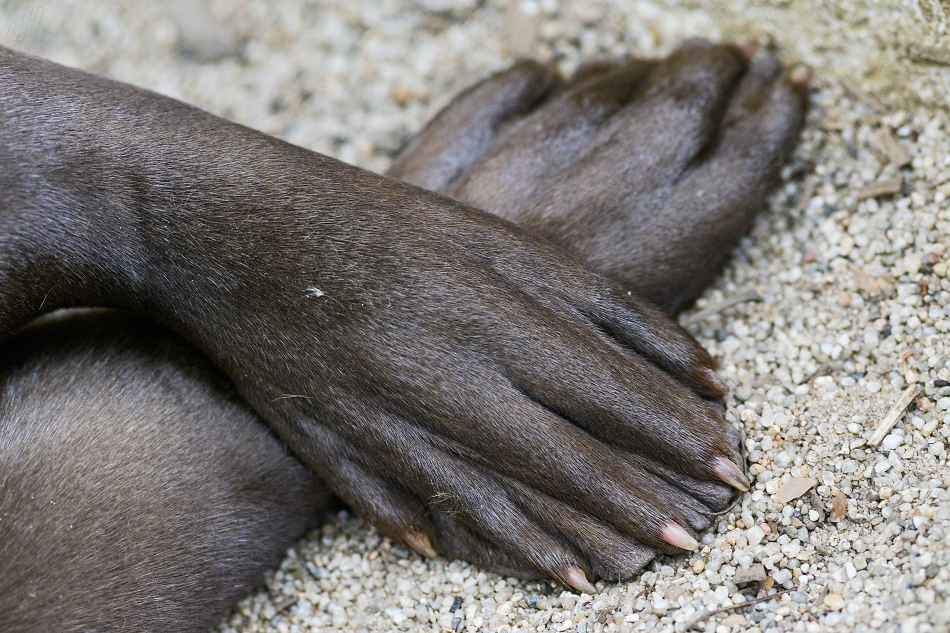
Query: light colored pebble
{"x": 834, "y": 601}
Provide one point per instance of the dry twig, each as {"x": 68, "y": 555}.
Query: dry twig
{"x": 896, "y": 413}
{"x": 742, "y": 297}
{"x": 747, "y": 603}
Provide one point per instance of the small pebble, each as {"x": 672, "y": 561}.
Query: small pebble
{"x": 755, "y": 573}
{"x": 834, "y": 601}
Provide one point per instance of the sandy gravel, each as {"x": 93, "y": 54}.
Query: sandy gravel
{"x": 849, "y": 266}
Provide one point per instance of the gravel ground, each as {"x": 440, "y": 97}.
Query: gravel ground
{"x": 835, "y": 306}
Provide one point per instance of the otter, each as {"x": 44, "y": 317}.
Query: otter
{"x": 497, "y": 386}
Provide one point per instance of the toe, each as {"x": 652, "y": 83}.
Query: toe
{"x": 456, "y": 540}
{"x": 596, "y": 205}
{"x": 394, "y": 511}
{"x": 677, "y": 111}
{"x": 626, "y": 398}
{"x": 632, "y": 322}
{"x": 717, "y": 199}
{"x": 474, "y": 498}
{"x": 549, "y": 139}
{"x": 465, "y": 129}
{"x": 702, "y": 497}
{"x": 610, "y": 554}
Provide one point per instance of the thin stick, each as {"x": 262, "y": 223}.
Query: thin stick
{"x": 896, "y": 413}
{"x": 747, "y": 603}
{"x": 742, "y": 297}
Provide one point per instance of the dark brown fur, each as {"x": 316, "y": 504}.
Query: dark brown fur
{"x": 437, "y": 340}
{"x": 648, "y": 171}
{"x": 138, "y": 492}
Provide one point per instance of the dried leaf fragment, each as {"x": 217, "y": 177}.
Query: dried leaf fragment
{"x": 887, "y": 144}
{"x": 793, "y": 489}
{"x": 929, "y": 54}
{"x": 808, "y": 192}
{"x": 839, "y": 506}
{"x": 884, "y": 284}
{"x": 881, "y": 188}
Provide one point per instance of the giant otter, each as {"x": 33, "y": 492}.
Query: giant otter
{"x": 467, "y": 387}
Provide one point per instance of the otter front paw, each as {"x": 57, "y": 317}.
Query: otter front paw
{"x": 549, "y": 425}
{"x": 649, "y": 171}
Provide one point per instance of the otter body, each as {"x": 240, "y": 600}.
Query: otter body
{"x": 419, "y": 358}
{"x": 138, "y": 492}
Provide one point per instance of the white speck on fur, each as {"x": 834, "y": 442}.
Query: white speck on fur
{"x": 313, "y": 291}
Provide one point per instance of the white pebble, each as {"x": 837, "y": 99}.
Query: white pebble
{"x": 754, "y": 535}
{"x": 891, "y": 442}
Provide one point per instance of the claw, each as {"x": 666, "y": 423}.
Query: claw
{"x": 714, "y": 382}
{"x": 575, "y": 578}
{"x": 748, "y": 49}
{"x": 800, "y": 76}
{"x": 420, "y": 543}
{"x": 731, "y": 474}
{"x": 676, "y": 536}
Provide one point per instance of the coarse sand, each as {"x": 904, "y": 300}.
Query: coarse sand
{"x": 834, "y": 307}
